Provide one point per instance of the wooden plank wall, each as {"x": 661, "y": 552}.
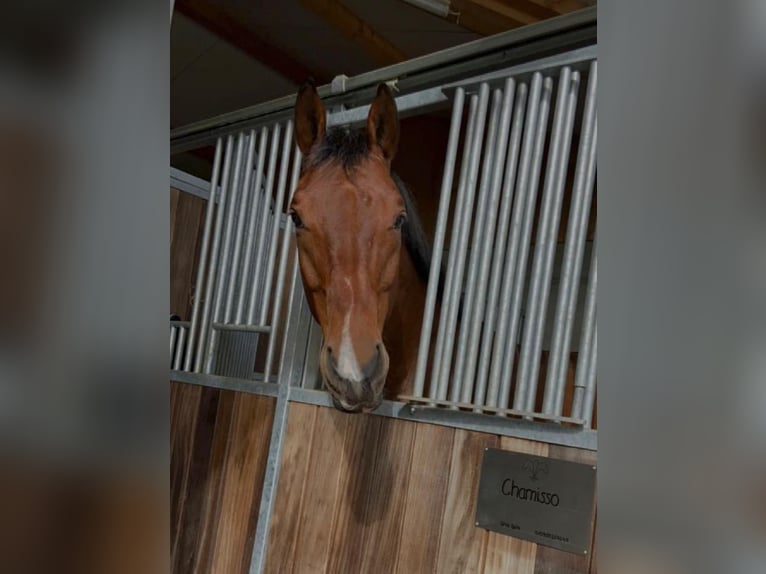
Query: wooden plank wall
{"x": 373, "y": 494}
{"x": 219, "y": 442}
{"x": 187, "y": 214}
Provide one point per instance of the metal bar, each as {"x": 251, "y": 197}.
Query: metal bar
{"x": 587, "y": 331}
{"x": 507, "y": 46}
{"x": 551, "y": 433}
{"x": 504, "y": 348}
{"x": 242, "y": 328}
{"x": 173, "y": 335}
{"x": 311, "y": 366}
{"x": 283, "y": 265}
{"x": 463, "y": 230}
{"x": 190, "y": 184}
{"x": 441, "y": 339}
{"x": 240, "y": 385}
{"x": 180, "y": 323}
{"x": 203, "y": 260}
{"x": 262, "y": 234}
{"x": 547, "y": 237}
{"x": 498, "y": 257}
{"x": 278, "y": 206}
{"x": 590, "y": 382}
{"x": 462, "y": 389}
{"x": 422, "y": 102}
{"x": 434, "y": 272}
{"x": 574, "y": 59}
{"x": 492, "y": 410}
{"x": 237, "y": 263}
{"x": 286, "y": 376}
{"x": 180, "y": 347}
{"x": 252, "y": 225}
{"x": 214, "y": 259}
{"x": 228, "y": 206}
{"x": 577, "y": 229}
{"x": 485, "y": 247}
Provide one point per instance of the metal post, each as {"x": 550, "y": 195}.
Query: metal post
{"x": 577, "y": 229}
{"x": 273, "y": 152}
{"x": 278, "y": 206}
{"x": 498, "y": 257}
{"x": 202, "y": 266}
{"x": 504, "y": 346}
{"x": 547, "y": 238}
{"x": 438, "y": 245}
{"x": 461, "y": 390}
{"x": 436, "y": 379}
{"x": 223, "y": 274}
{"x": 463, "y": 229}
{"x": 485, "y": 249}
{"x": 259, "y": 201}
{"x": 173, "y": 335}
{"x": 587, "y": 334}
{"x": 282, "y": 267}
{"x": 240, "y": 231}
{"x": 180, "y": 349}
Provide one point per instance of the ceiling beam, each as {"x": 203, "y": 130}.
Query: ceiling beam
{"x": 343, "y": 20}
{"x": 214, "y": 17}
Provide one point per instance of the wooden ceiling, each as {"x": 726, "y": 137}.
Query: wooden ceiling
{"x": 228, "y": 54}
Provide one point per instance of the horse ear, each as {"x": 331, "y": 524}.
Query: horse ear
{"x": 310, "y": 118}
{"x": 383, "y": 123}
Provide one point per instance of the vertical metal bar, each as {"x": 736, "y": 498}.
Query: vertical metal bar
{"x": 180, "y": 349}
{"x": 461, "y": 389}
{"x": 209, "y": 294}
{"x": 441, "y": 339}
{"x": 202, "y": 266}
{"x": 498, "y": 257}
{"x": 547, "y": 238}
{"x": 438, "y": 245}
{"x": 486, "y": 248}
{"x": 587, "y": 332}
{"x": 278, "y": 206}
{"x": 273, "y": 152}
{"x": 463, "y": 229}
{"x": 577, "y": 229}
{"x": 504, "y": 346}
{"x": 252, "y": 225}
{"x": 282, "y": 267}
{"x": 239, "y": 233}
{"x": 590, "y": 382}
{"x": 173, "y": 335}
{"x": 271, "y": 474}
{"x": 223, "y": 273}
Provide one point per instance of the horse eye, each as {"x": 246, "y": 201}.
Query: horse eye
{"x": 399, "y": 221}
{"x": 297, "y": 222}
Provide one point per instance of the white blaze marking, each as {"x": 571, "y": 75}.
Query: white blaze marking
{"x": 348, "y": 366}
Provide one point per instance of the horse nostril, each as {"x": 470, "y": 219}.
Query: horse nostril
{"x": 329, "y": 350}
{"x": 378, "y": 348}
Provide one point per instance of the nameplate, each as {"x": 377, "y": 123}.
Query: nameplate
{"x": 542, "y": 500}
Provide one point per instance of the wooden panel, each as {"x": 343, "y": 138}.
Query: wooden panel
{"x": 213, "y": 486}
{"x": 462, "y": 544}
{"x": 505, "y": 553}
{"x": 356, "y": 478}
{"x": 242, "y": 482}
{"x": 194, "y": 498}
{"x": 426, "y": 494}
{"x": 292, "y": 483}
{"x": 550, "y": 560}
{"x": 386, "y": 505}
{"x": 183, "y": 416}
{"x": 322, "y": 491}
{"x": 186, "y": 218}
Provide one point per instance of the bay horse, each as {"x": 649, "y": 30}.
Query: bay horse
{"x": 363, "y": 255}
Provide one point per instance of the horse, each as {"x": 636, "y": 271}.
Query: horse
{"x": 363, "y": 255}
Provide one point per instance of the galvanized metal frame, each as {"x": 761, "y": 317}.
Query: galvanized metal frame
{"x": 504, "y": 192}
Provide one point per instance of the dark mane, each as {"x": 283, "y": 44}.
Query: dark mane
{"x": 349, "y": 147}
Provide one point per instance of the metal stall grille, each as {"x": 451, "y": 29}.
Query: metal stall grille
{"x": 245, "y": 252}
{"x": 511, "y": 291}
{"x": 520, "y": 140}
